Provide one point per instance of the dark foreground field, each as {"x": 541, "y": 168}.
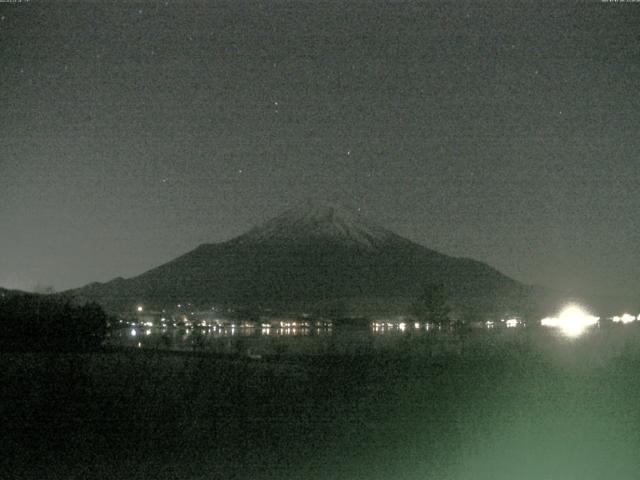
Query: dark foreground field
{"x": 500, "y": 406}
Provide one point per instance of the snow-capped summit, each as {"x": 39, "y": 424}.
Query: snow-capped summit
{"x": 315, "y": 221}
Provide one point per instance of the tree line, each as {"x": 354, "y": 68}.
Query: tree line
{"x": 44, "y": 323}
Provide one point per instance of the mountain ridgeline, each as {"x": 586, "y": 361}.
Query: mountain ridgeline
{"x": 313, "y": 257}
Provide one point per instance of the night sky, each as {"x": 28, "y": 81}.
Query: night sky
{"x": 506, "y": 132}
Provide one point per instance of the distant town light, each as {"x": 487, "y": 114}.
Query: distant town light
{"x": 139, "y": 308}
{"x": 133, "y": 332}
{"x": 512, "y": 322}
{"x": 625, "y": 318}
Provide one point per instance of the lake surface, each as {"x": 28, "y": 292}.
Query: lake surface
{"x": 498, "y": 404}
{"x": 411, "y": 339}
{"x": 256, "y": 341}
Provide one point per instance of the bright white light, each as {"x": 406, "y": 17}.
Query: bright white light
{"x": 573, "y": 321}
{"x": 489, "y": 324}
{"x": 625, "y": 318}
{"x": 133, "y": 332}
{"x": 550, "y": 322}
{"x": 148, "y": 332}
{"x": 139, "y": 308}
{"x": 402, "y": 326}
{"x": 512, "y": 322}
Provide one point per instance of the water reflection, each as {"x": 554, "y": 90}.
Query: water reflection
{"x": 311, "y": 337}
{"x": 390, "y": 327}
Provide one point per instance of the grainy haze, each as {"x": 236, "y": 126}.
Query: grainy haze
{"x": 507, "y": 132}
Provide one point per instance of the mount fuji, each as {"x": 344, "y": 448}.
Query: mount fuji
{"x": 311, "y": 256}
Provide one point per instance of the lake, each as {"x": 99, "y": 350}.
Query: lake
{"x": 491, "y": 404}
{"x": 285, "y": 340}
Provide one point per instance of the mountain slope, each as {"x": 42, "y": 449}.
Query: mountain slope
{"x": 312, "y": 255}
